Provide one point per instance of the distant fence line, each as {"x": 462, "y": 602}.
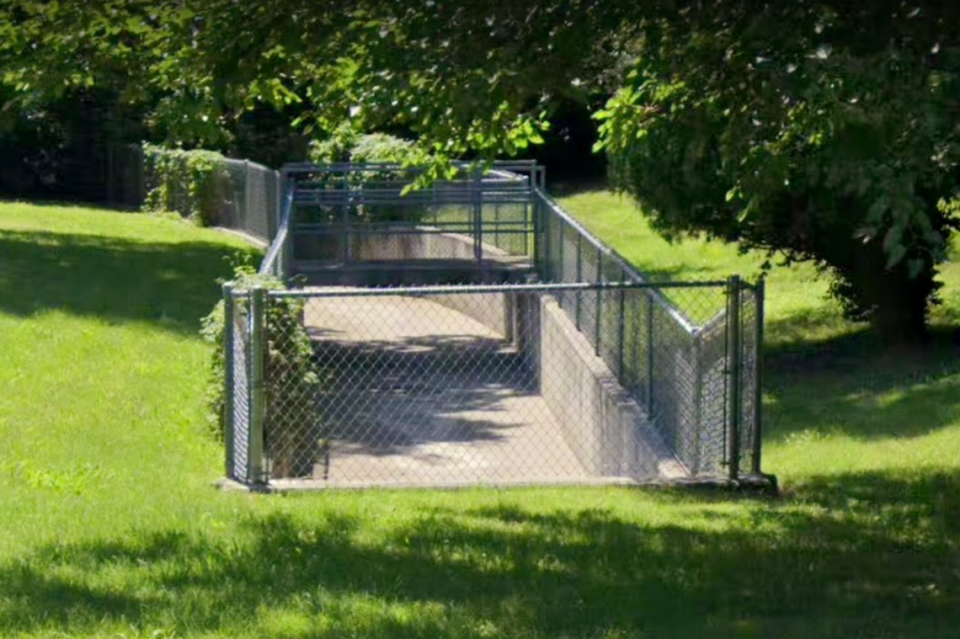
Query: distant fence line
{"x": 238, "y": 194}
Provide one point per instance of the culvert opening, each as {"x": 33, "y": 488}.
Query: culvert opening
{"x": 578, "y": 370}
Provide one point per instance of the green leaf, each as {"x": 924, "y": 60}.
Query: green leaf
{"x": 914, "y": 267}
{"x": 896, "y": 255}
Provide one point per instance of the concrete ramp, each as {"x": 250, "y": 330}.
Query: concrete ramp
{"x": 465, "y": 389}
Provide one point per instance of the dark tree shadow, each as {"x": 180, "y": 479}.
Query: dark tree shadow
{"x": 389, "y": 395}
{"x": 867, "y": 388}
{"x": 851, "y": 555}
{"x": 168, "y": 284}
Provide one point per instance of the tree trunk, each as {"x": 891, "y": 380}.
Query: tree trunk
{"x": 894, "y": 303}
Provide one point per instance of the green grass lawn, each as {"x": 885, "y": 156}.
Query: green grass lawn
{"x": 112, "y": 528}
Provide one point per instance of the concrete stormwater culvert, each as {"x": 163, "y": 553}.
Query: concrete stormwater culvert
{"x": 469, "y": 389}
{"x": 467, "y": 371}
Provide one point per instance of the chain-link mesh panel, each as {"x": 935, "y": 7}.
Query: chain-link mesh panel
{"x": 568, "y": 269}
{"x": 238, "y": 195}
{"x": 713, "y": 397}
{"x": 749, "y": 391}
{"x": 495, "y": 385}
{"x": 448, "y": 388}
{"x": 239, "y": 397}
{"x": 252, "y": 199}
{"x": 588, "y": 303}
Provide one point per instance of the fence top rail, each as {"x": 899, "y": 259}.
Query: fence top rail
{"x": 503, "y": 169}
{"x": 273, "y": 253}
{"x": 688, "y": 324}
{"x": 491, "y": 180}
{"x": 249, "y": 164}
{"x": 350, "y": 291}
{"x": 457, "y": 163}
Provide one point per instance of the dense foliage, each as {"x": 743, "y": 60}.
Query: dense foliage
{"x": 348, "y": 145}
{"x": 191, "y": 183}
{"x": 819, "y": 130}
{"x": 293, "y": 379}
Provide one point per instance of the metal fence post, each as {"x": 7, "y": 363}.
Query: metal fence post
{"x": 477, "y": 217}
{"x": 697, "y": 351}
{"x": 734, "y": 375}
{"x": 229, "y": 338}
{"x": 579, "y": 294}
{"x": 345, "y": 251}
{"x": 650, "y": 351}
{"x": 621, "y": 329}
{"x": 277, "y": 204}
{"x": 248, "y": 189}
{"x": 597, "y": 318}
{"x": 257, "y": 390}
{"x": 636, "y": 325}
{"x": 562, "y": 298}
{"x": 760, "y": 292}
{"x": 537, "y": 226}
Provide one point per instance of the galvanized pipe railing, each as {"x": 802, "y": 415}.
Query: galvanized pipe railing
{"x": 279, "y": 256}
{"x": 550, "y": 223}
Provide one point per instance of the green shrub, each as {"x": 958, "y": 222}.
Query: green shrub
{"x": 380, "y": 147}
{"x": 194, "y": 184}
{"x": 294, "y": 436}
{"x": 346, "y": 145}
{"x": 336, "y": 148}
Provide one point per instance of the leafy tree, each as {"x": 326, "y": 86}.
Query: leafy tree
{"x": 822, "y": 131}
{"x": 819, "y": 130}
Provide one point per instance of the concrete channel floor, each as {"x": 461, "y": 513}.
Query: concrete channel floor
{"x": 422, "y": 394}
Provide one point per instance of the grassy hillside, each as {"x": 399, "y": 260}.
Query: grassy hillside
{"x": 112, "y": 528}
{"x": 836, "y": 400}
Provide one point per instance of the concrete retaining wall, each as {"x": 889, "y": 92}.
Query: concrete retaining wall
{"x": 607, "y": 429}
{"x": 418, "y": 246}
{"x": 493, "y": 310}
{"x": 406, "y": 260}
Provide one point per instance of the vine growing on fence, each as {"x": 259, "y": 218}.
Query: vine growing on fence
{"x": 288, "y": 364}
{"x": 191, "y": 183}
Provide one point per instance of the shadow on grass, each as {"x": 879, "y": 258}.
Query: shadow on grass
{"x": 862, "y": 386}
{"x": 57, "y": 203}
{"x": 170, "y": 284}
{"x": 870, "y": 554}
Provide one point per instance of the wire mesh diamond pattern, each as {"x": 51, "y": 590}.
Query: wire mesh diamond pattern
{"x": 493, "y": 385}
{"x": 594, "y": 374}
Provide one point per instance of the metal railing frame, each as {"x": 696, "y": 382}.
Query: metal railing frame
{"x": 482, "y": 185}
{"x": 546, "y": 214}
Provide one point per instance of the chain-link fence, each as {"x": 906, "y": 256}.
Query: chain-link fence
{"x": 252, "y": 202}
{"x": 239, "y": 195}
{"x": 597, "y": 374}
{"x": 125, "y": 179}
{"x": 491, "y": 385}
{"x": 684, "y": 326}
